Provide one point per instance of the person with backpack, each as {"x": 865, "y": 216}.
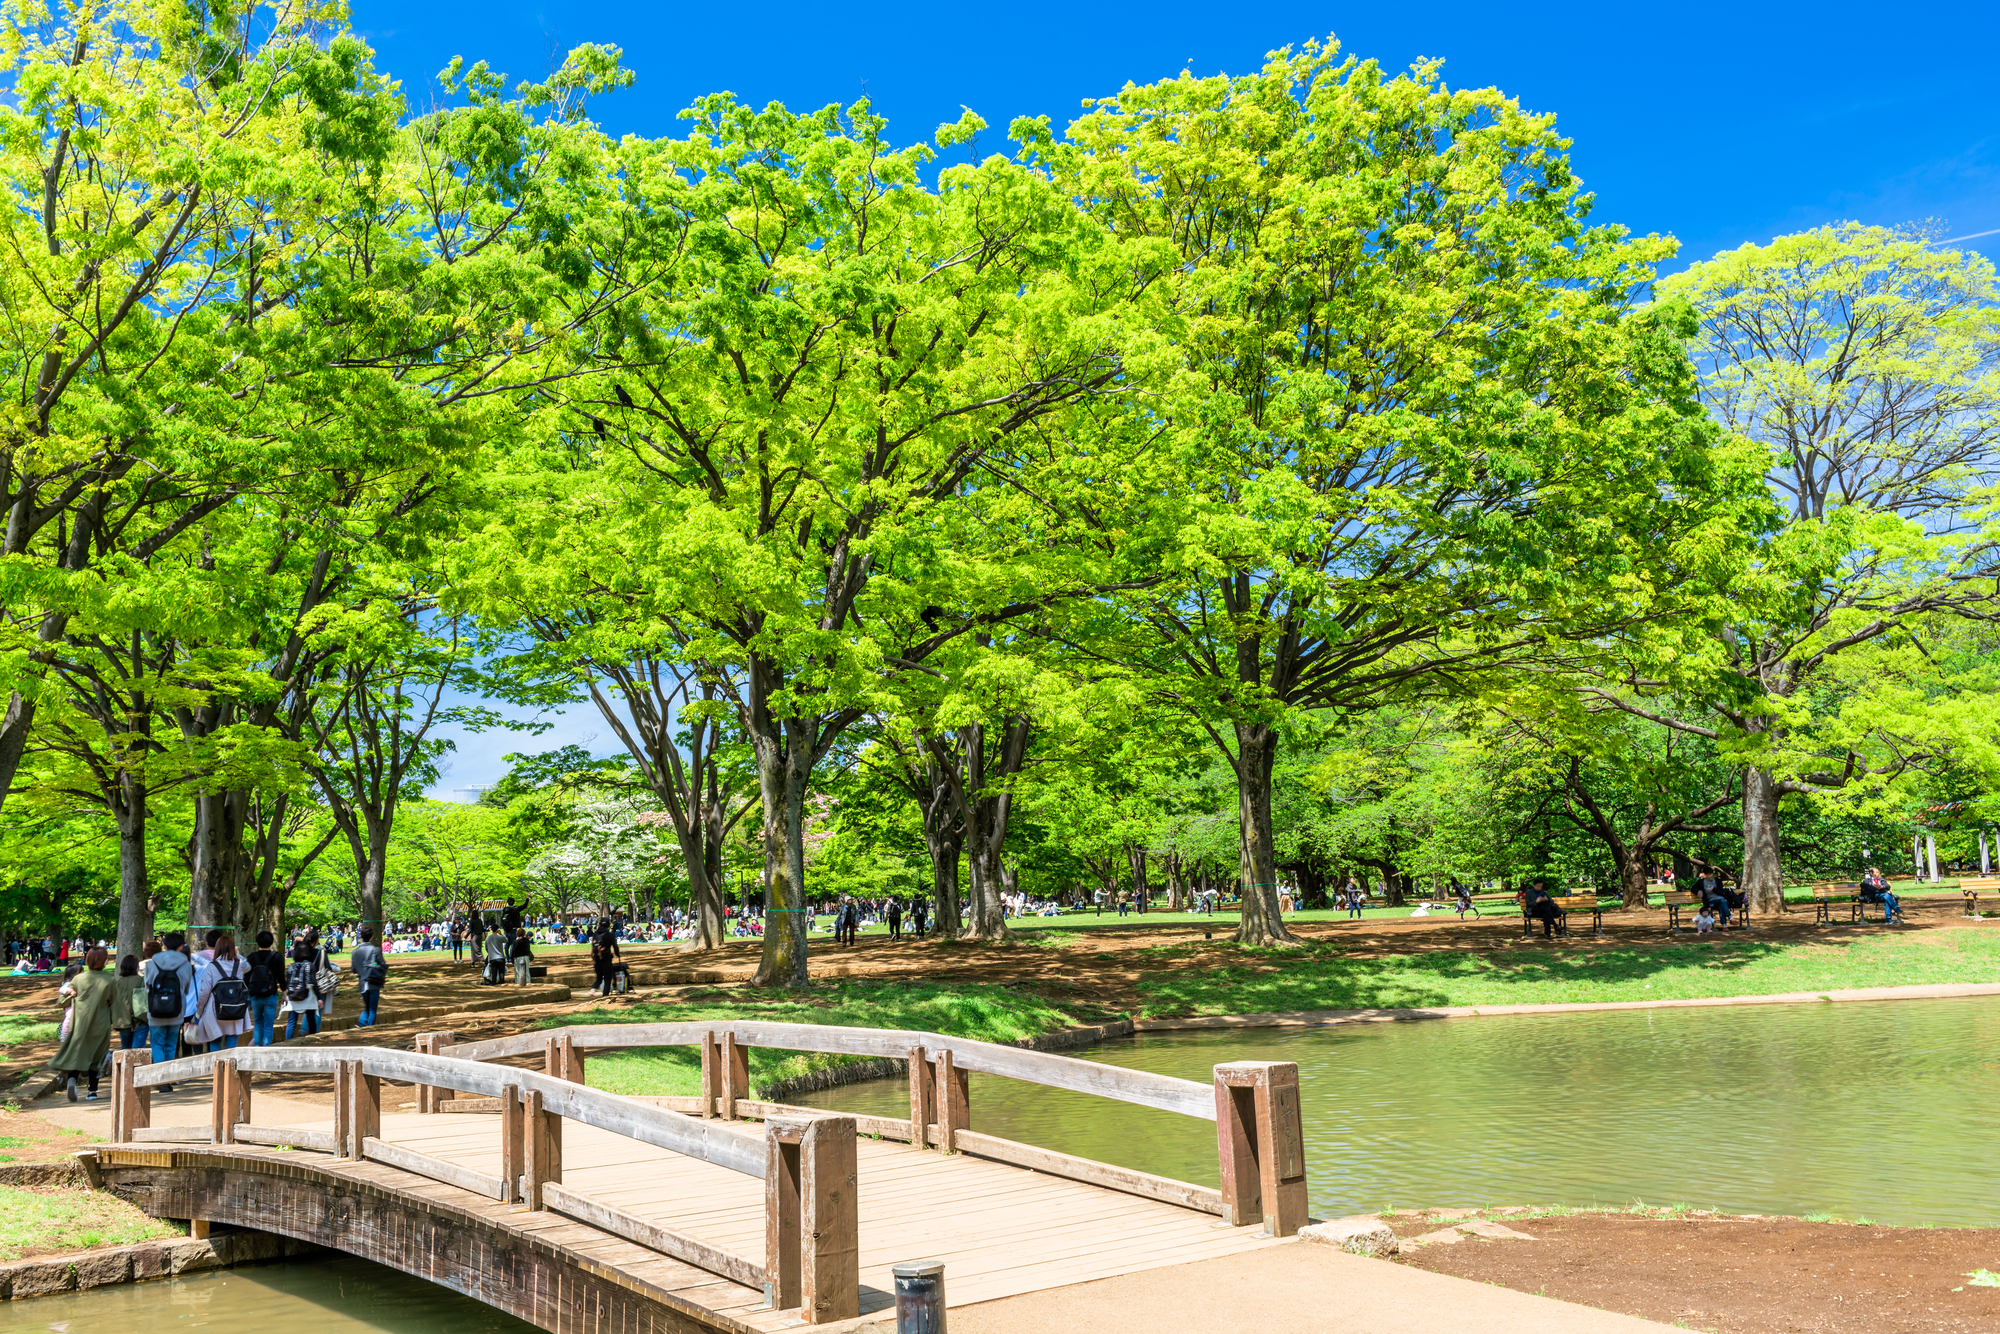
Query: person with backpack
{"x": 222, "y": 1000}
{"x": 169, "y": 978}
{"x": 302, "y": 992}
{"x": 90, "y": 1020}
{"x": 522, "y": 952}
{"x": 265, "y": 977}
{"x": 128, "y": 1009}
{"x": 371, "y": 970}
{"x": 603, "y": 960}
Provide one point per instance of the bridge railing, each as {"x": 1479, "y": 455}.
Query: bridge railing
{"x": 1259, "y": 1134}
{"x": 807, "y": 1164}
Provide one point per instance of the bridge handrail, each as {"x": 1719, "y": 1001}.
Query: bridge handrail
{"x": 703, "y": 1140}
{"x": 1141, "y": 1087}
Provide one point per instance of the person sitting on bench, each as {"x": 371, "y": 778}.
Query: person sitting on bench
{"x": 1875, "y": 889}
{"x": 1708, "y": 885}
{"x": 1542, "y": 906}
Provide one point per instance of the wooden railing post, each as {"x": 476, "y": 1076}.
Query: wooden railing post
{"x": 429, "y": 1097}
{"x": 812, "y": 1254}
{"x": 1260, "y": 1145}
{"x": 735, "y": 1075}
{"x": 711, "y": 1074}
{"x": 541, "y": 1137}
{"x": 561, "y": 1059}
{"x": 513, "y": 1148}
{"x": 224, "y": 1102}
{"x": 364, "y": 1116}
{"x": 345, "y": 1145}
{"x": 954, "y": 1102}
{"x": 923, "y": 1097}
{"x": 131, "y": 1106}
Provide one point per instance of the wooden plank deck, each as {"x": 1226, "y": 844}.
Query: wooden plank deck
{"x": 999, "y": 1230}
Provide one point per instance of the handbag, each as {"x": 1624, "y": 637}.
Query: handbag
{"x": 327, "y": 980}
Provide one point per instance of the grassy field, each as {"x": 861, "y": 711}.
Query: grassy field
{"x": 1322, "y": 977}
{"x": 989, "y": 1013}
{"x": 19, "y": 1028}
{"x": 38, "y": 1221}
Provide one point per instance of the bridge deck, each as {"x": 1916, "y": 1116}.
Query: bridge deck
{"x": 1000, "y": 1230}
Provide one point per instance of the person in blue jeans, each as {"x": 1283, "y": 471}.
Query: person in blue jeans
{"x": 166, "y": 1029}
{"x": 264, "y": 1009}
{"x": 370, "y": 970}
{"x": 1875, "y": 889}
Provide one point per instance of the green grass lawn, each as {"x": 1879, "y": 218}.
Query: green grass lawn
{"x": 35, "y": 1222}
{"x": 1322, "y": 977}
{"x": 19, "y": 1028}
{"x": 986, "y": 1012}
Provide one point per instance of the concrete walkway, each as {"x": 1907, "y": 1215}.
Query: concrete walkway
{"x": 1295, "y": 1289}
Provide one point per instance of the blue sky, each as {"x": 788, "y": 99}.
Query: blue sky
{"x": 1718, "y": 124}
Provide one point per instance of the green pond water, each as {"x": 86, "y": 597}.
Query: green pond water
{"x": 330, "y": 1295}
{"x": 1877, "y": 1111}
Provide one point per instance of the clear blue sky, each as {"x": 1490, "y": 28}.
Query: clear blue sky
{"x": 1717, "y": 124}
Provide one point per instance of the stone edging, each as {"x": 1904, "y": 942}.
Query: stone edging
{"x": 46, "y": 1275}
{"x": 886, "y": 1067}
{"x": 1328, "y": 1018}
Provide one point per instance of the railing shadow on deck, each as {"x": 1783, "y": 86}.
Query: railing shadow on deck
{"x": 807, "y": 1158}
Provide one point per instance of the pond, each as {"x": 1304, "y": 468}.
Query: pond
{"x": 1863, "y": 1111}
{"x": 330, "y": 1295}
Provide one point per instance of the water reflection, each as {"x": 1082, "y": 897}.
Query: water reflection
{"x": 1860, "y": 1110}
{"x": 331, "y": 1295}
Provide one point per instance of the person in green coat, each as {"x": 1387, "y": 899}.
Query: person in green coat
{"x": 90, "y": 1024}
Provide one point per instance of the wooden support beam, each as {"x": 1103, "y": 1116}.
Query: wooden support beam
{"x": 954, "y": 1101}
{"x": 131, "y": 1106}
{"x": 513, "y": 1147}
{"x": 429, "y": 1097}
{"x": 541, "y": 1137}
{"x": 222, "y": 1103}
{"x": 561, "y": 1059}
{"x": 923, "y": 1097}
{"x": 735, "y": 1075}
{"x": 364, "y": 1118}
{"x": 345, "y": 1144}
{"x": 1260, "y": 1145}
{"x": 711, "y": 1075}
{"x": 812, "y": 1218}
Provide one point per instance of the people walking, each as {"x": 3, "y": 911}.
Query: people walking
{"x": 91, "y": 1016}
{"x": 169, "y": 979}
{"x": 129, "y": 1009}
{"x": 522, "y": 952}
{"x": 265, "y": 978}
{"x": 222, "y": 999}
{"x": 303, "y": 998}
{"x": 895, "y": 919}
{"x": 603, "y": 960}
{"x": 921, "y": 916}
{"x": 371, "y": 970}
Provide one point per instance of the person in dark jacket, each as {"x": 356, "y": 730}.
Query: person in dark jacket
{"x": 371, "y": 970}
{"x": 1709, "y": 886}
{"x": 895, "y": 919}
{"x": 1875, "y": 889}
{"x": 523, "y": 954}
{"x": 603, "y": 959}
{"x": 1541, "y": 906}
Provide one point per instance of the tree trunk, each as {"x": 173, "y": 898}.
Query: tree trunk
{"x": 1256, "y": 755}
{"x": 783, "y": 765}
{"x": 1135, "y": 857}
{"x": 985, "y": 809}
{"x": 1763, "y": 871}
{"x": 135, "y": 901}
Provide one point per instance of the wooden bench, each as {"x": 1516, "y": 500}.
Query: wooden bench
{"x": 1689, "y": 902}
{"x": 1973, "y": 888}
{"x": 1565, "y": 905}
{"x": 1828, "y": 895}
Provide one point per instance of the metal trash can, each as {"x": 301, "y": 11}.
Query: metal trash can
{"x": 919, "y": 1297}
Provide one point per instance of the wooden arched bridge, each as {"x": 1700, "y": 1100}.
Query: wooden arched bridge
{"x": 581, "y": 1210}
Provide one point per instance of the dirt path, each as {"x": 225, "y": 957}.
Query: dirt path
{"x": 1736, "y": 1275}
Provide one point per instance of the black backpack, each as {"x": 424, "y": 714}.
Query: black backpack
{"x": 163, "y": 995}
{"x": 232, "y": 998}
{"x": 261, "y": 981}
{"x": 299, "y": 980}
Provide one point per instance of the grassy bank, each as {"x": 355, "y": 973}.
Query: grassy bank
{"x": 1322, "y": 977}
{"x": 972, "y": 1010}
{"x": 40, "y": 1221}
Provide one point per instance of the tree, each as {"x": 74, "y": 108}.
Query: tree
{"x": 1867, "y": 363}
{"x": 1421, "y": 429}
{"x": 827, "y": 354}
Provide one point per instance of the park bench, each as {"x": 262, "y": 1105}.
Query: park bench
{"x": 1973, "y": 888}
{"x": 1565, "y": 905}
{"x": 1689, "y": 902}
{"x": 1831, "y": 894}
